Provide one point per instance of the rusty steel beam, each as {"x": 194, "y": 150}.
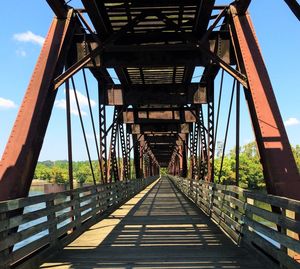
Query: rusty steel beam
{"x": 136, "y": 156}
{"x": 98, "y": 16}
{"x": 22, "y": 150}
{"x": 175, "y": 94}
{"x": 158, "y": 116}
{"x": 279, "y": 167}
{"x": 242, "y": 6}
{"x": 159, "y": 128}
{"x": 59, "y": 7}
{"x": 123, "y": 56}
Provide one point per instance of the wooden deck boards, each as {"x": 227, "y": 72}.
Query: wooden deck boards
{"x": 159, "y": 228}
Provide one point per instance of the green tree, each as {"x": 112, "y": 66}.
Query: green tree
{"x": 59, "y": 175}
{"x": 83, "y": 173}
{"x": 42, "y": 172}
{"x": 296, "y": 151}
{"x": 163, "y": 171}
{"x": 251, "y": 172}
{"x": 226, "y": 175}
{"x": 251, "y": 175}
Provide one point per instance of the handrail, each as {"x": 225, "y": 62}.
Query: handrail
{"x": 28, "y": 235}
{"x": 247, "y": 217}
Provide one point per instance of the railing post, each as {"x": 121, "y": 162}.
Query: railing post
{"x": 77, "y": 214}
{"x": 51, "y": 217}
{"x": 247, "y": 213}
{"x": 4, "y": 254}
{"x": 283, "y": 231}
{"x": 211, "y": 199}
{"x": 95, "y": 198}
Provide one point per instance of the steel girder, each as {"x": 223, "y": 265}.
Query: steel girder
{"x": 22, "y": 150}
{"x": 113, "y": 174}
{"x": 279, "y": 167}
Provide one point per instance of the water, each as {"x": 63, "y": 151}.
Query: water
{"x": 38, "y": 190}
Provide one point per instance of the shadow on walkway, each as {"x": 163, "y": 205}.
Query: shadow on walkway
{"x": 163, "y": 230}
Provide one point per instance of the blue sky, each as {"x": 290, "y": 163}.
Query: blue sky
{"x": 26, "y": 24}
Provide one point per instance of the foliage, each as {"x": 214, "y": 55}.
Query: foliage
{"x": 163, "y": 171}
{"x": 251, "y": 175}
{"x": 296, "y": 151}
{"x": 250, "y": 171}
{"x": 58, "y": 175}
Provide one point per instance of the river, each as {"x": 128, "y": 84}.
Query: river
{"x": 36, "y": 190}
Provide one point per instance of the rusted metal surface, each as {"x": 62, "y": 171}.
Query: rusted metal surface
{"x": 59, "y": 7}
{"x": 242, "y": 6}
{"x": 154, "y": 48}
{"x": 280, "y": 170}
{"x": 22, "y": 150}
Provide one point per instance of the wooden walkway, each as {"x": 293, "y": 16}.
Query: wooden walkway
{"x": 159, "y": 228}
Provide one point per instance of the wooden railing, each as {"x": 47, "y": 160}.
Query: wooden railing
{"x": 247, "y": 217}
{"x": 36, "y": 227}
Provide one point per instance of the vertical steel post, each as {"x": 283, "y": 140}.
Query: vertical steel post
{"x": 128, "y": 154}
{"x": 279, "y": 166}
{"x": 136, "y": 156}
{"x": 103, "y": 144}
{"x": 204, "y": 153}
{"x": 184, "y": 159}
{"x": 113, "y": 173}
{"x": 124, "y": 153}
{"x": 210, "y": 134}
{"x": 237, "y": 135}
{"x": 69, "y": 135}
{"x": 23, "y": 148}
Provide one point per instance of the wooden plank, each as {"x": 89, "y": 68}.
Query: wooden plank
{"x": 275, "y": 235}
{"x": 157, "y": 228}
{"x": 283, "y": 202}
{"x": 281, "y": 220}
{"x": 254, "y": 241}
{"x": 240, "y": 204}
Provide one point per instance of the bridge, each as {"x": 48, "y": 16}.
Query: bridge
{"x": 132, "y": 216}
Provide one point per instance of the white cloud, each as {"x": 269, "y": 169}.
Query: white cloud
{"x": 7, "y": 104}
{"x": 291, "y": 121}
{"x": 82, "y": 99}
{"x": 29, "y": 37}
{"x": 21, "y": 52}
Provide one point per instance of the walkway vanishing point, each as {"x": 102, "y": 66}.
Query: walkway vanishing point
{"x": 158, "y": 228}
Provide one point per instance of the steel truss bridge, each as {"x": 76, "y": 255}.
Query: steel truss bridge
{"x": 164, "y": 120}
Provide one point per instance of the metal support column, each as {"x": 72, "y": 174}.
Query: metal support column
{"x": 25, "y": 142}
{"x": 279, "y": 166}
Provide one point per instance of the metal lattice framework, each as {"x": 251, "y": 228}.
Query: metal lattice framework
{"x": 154, "y": 48}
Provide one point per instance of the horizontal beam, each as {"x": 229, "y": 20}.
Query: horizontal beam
{"x": 160, "y": 139}
{"x": 138, "y": 116}
{"x": 133, "y": 55}
{"x": 159, "y": 128}
{"x": 171, "y": 94}
{"x": 156, "y": 3}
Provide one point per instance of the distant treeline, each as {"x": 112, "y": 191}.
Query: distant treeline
{"x": 57, "y": 171}
{"x": 251, "y": 175}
